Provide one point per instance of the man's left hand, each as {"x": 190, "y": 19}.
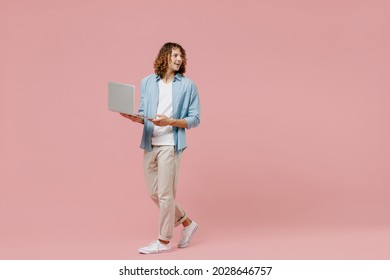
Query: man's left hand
{"x": 161, "y": 120}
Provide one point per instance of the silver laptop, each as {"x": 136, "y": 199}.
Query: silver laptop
{"x": 121, "y": 98}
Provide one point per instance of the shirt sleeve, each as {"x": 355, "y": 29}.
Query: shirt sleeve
{"x": 193, "y": 118}
{"x": 141, "y": 109}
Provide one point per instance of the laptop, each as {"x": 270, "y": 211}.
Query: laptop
{"x": 121, "y": 99}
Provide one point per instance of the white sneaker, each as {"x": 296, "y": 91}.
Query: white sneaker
{"x": 155, "y": 247}
{"x": 187, "y": 234}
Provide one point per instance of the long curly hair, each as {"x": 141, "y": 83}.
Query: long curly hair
{"x": 163, "y": 57}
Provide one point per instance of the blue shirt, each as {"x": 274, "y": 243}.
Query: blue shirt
{"x": 185, "y": 104}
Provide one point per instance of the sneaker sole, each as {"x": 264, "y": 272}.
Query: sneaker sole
{"x": 185, "y": 245}
{"x": 149, "y": 253}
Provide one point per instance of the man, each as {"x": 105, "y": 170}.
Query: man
{"x": 172, "y": 102}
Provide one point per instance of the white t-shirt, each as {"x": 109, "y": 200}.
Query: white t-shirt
{"x": 163, "y": 135}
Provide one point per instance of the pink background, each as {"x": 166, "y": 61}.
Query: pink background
{"x": 291, "y": 160}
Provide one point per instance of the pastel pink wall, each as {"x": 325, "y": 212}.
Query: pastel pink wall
{"x": 295, "y": 114}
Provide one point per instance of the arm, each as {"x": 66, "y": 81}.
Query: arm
{"x": 133, "y": 118}
{"x": 163, "y": 120}
{"x": 179, "y": 123}
{"x": 193, "y": 118}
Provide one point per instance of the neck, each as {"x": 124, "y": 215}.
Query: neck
{"x": 168, "y": 77}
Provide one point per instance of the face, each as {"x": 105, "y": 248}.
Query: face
{"x": 175, "y": 60}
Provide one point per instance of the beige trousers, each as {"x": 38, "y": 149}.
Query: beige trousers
{"x": 161, "y": 167}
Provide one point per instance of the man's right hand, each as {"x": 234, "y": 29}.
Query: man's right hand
{"x": 133, "y": 118}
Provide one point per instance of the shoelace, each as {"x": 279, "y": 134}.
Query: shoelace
{"x": 185, "y": 234}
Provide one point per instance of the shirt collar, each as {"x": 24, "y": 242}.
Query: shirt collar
{"x": 178, "y": 76}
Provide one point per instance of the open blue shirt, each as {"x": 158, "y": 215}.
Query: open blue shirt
{"x": 185, "y": 104}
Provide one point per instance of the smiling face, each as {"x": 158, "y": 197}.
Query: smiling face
{"x": 175, "y": 60}
{"x": 171, "y": 59}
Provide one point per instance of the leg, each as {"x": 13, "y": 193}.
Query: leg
{"x": 150, "y": 173}
{"x": 180, "y": 214}
{"x": 166, "y": 191}
{"x": 161, "y": 167}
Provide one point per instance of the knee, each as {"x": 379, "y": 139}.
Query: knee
{"x": 166, "y": 201}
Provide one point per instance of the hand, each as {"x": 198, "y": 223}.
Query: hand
{"x": 161, "y": 120}
{"x": 132, "y": 118}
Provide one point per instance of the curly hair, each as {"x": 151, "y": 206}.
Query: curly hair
{"x": 163, "y": 57}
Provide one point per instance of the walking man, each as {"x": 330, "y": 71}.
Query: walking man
{"x": 172, "y": 101}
